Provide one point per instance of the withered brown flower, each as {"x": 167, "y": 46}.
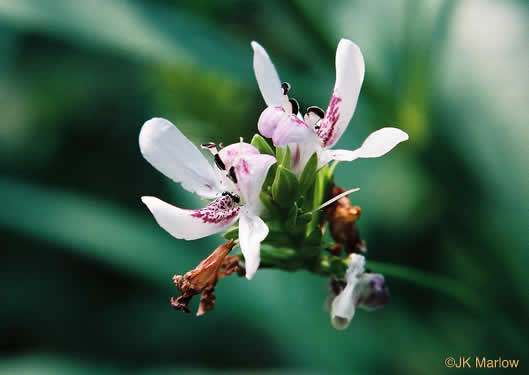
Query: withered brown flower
{"x": 342, "y": 217}
{"x": 204, "y": 277}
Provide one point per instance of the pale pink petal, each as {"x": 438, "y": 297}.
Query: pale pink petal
{"x": 269, "y": 120}
{"x": 291, "y": 129}
{"x": 267, "y": 77}
{"x": 252, "y": 231}
{"x": 169, "y": 151}
{"x": 375, "y": 145}
{"x": 349, "y": 77}
{"x": 231, "y": 154}
{"x": 250, "y": 173}
{"x": 193, "y": 224}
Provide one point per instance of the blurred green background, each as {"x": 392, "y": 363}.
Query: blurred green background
{"x": 86, "y": 272}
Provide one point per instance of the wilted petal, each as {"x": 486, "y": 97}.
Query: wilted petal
{"x": 376, "y": 144}
{"x": 270, "y": 119}
{"x": 251, "y": 172}
{"x": 371, "y": 291}
{"x": 349, "y": 77}
{"x": 193, "y": 224}
{"x": 267, "y": 77}
{"x": 169, "y": 151}
{"x": 252, "y": 231}
{"x": 343, "y": 306}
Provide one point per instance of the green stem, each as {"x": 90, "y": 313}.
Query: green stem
{"x": 442, "y": 284}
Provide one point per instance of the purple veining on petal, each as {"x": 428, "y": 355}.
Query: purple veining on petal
{"x": 219, "y": 211}
{"x": 332, "y": 115}
{"x": 244, "y": 166}
{"x": 298, "y": 121}
{"x": 296, "y": 156}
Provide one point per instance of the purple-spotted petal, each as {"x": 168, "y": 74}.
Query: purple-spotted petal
{"x": 349, "y": 77}
{"x": 169, "y": 151}
{"x": 267, "y": 77}
{"x": 269, "y": 120}
{"x": 375, "y": 145}
{"x": 193, "y": 224}
{"x": 252, "y": 231}
{"x": 251, "y": 172}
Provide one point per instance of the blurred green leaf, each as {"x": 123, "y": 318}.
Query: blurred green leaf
{"x": 96, "y": 229}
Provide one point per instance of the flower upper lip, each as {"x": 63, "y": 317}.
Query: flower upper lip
{"x": 313, "y": 135}
{"x": 235, "y": 184}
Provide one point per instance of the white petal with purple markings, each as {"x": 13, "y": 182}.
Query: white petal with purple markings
{"x": 193, "y": 224}
{"x": 350, "y": 70}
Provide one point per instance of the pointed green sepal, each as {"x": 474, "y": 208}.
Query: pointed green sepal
{"x": 280, "y": 154}
{"x": 262, "y": 145}
{"x": 309, "y": 174}
{"x": 285, "y": 187}
{"x": 286, "y": 159}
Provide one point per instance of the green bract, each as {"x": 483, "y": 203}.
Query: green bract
{"x": 295, "y": 240}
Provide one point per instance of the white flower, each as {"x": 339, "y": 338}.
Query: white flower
{"x": 234, "y": 183}
{"x": 317, "y": 131}
{"x": 366, "y": 290}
